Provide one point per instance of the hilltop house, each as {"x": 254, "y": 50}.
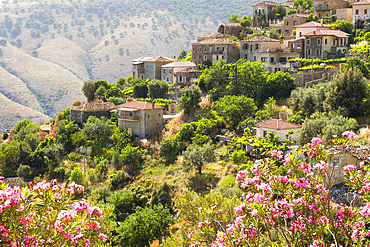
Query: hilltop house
{"x": 291, "y": 21}
{"x": 187, "y": 76}
{"x": 149, "y": 67}
{"x": 214, "y": 50}
{"x": 324, "y": 44}
{"x": 213, "y": 36}
{"x": 360, "y": 11}
{"x": 264, "y": 11}
{"x": 309, "y": 27}
{"x": 326, "y": 8}
{"x": 278, "y": 127}
{"x": 231, "y": 29}
{"x": 170, "y": 70}
{"x": 143, "y": 118}
{"x": 82, "y": 112}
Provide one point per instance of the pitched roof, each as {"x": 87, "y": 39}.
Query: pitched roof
{"x": 140, "y": 105}
{"x": 296, "y": 15}
{"x": 190, "y": 70}
{"x": 363, "y": 2}
{"x": 312, "y": 24}
{"x": 217, "y": 42}
{"x": 260, "y": 38}
{"x": 361, "y": 152}
{"x": 214, "y": 36}
{"x": 277, "y": 124}
{"x": 265, "y": 3}
{"x": 232, "y": 24}
{"x": 104, "y": 106}
{"x": 179, "y": 64}
{"x": 158, "y": 59}
{"x": 336, "y": 33}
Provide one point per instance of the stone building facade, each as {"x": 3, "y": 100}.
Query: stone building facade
{"x": 324, "y": 44}
{"x": 231, "y": 29}
{"x": 291, "y": 21}
{"x": 82, "y": 112}
{"x": 360, "y": 11}
{"x": 188, "y": 76}
{"x": 266, "y": 9}
{"x": 326, "y": 8}
{"x": 170, "y": 70}
{"x": 214, "y": 50}
{"x": 250, "y": 47}
{"x": 344, "y": 14}
{"x": 213, "y": 36}
{"x": 309, "y": 27}
{"x": 149, "y": 67}
{"x": 143, "y": 118}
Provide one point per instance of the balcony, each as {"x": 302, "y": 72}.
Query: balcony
{"x": 132, "y": 118}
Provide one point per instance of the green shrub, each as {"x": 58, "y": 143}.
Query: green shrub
{"x": 119, "y": 180}
{"x": 57, "y": 173}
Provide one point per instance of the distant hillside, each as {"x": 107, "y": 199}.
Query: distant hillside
{"x": 50, "y": 47}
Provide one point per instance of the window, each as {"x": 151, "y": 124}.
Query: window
{"x": 180, "y": 78}
{"x": 167, "y": 79}
{"x": 205, "y": 49}
{"x": 223, "y": 57}
{"x": 217, "y": 48}
{"x": 309, "y": 51}
{"x": 251, "y": 47}
{"x": 341, "y": 42}
{"x": 317, "y": 51}
{"x": 300, "y": 34}
{"x": 159, "y": 114}
{"x": 217, "y": 57}
{"x": 365, "y": 11}
{"x": 319, "y": 15}
{"x": 264, "y": 59}
{"x": 256, "y": 46}
{"x": 294, "y": 23}
{"x": 141, "y": 116}
{"x": 205, "y": 58}
{"x": 245, "y": 56}
{"x": 318, "y": 41}
{"x": 148, "y": 116}
{"x": 326, "y": 41}
{"x": 254, "y": 58}
{"x": 356, "y": 11}
{"x": 327, "y": 14}
{"x": 308, "y": 42}
{"x": 271, "y": 59}
{"x": 259, "y": 11}
{"x": 245, "y": 46}
{"x": 255, "y": 12}
{"x": 223, "y": 48}
{"x": 287, "y": 23}
{"x": 282, "y": 60}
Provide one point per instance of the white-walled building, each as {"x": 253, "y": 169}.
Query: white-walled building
{"x": 360, "y": 11}
{"x": 278, "y": 127}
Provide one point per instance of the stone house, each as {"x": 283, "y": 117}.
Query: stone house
{"x": 82, "y": 112}
{"x": 278, "y": 127}
{"x": 324, "y": 44}
{"x": 326, "y": 8}
{"x": 360, "y": 11}
{"x": 231, "y": 29}
{"x": 250, "y": 47}
{"x": 264, "y": 9}
{"x": 309, "y": 27}
{"x": 291, "y": 21}
{"x": 149, "y": 67}
{"x": 344, "y": 14}
{"x": 170, "y": 70}
{"x": 143, "y": 118}
{"x": 187, "y": 76}
{"x": 214, "y": 50}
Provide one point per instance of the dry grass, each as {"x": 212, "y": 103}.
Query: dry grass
{"x": 205, "y": 102}
{"x": 364, "y": 133}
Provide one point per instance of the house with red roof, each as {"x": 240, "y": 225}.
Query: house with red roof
{"x": 360, "y": 11}
{"x": 142, "y": 117}
{"x": 278, "y": 127}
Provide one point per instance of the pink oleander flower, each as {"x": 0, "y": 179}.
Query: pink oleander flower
{"x": 200, "y": 209}
{"x": 314, "y": 142}
{"x": 322, "y": 166}
{"x": 58, "y": 196}
{"x": 350, "y": 135}
{"x": 102, "y": 236}
{"x": 349, "y": 168}
{"x": 190, "y": 235}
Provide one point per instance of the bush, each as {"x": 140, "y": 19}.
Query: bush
{"x": 118, "y": 180}
{"x": 102, "y": 193}
{"x": 170, "y": 148}
{"x": 123, "y": 204}
{"x": 57, "y": 173}
{"x": 23, "y": 171}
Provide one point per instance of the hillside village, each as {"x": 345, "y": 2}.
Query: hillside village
{"x": 257, "y": 136}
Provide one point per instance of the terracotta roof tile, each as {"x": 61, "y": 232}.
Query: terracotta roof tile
{"x": 260, "y": 38}
{"x": 312, "y": 24}
{"x": 296, "y": 15}
{"x": 266, "y": 3}
{"x": 363, "y": 2}
{"x": 217, "y": 42}
{"x": 179, "y": 64}
{"x": 277, "y": 124}
{"x": 232, "y": 24}
{"x": 158, "y": 59}
{"x": 104, "y": 106}
{"x": 136, "y": 104}
{"x": 214, "y": 36}
{"x": 336, "y": 33}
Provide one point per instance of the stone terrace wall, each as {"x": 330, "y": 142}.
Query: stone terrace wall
{"x": 306, "y": 79}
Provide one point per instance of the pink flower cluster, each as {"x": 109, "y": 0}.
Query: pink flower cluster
{"x": 349, "y": 134}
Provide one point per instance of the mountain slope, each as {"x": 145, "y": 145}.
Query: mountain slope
{"x": 11, "y": 112}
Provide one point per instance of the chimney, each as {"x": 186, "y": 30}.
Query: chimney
{"x": 153, "y": 105}
{"x": 314, "y": 32}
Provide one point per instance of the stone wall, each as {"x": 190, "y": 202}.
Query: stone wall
{"x": 306, "y": 79}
